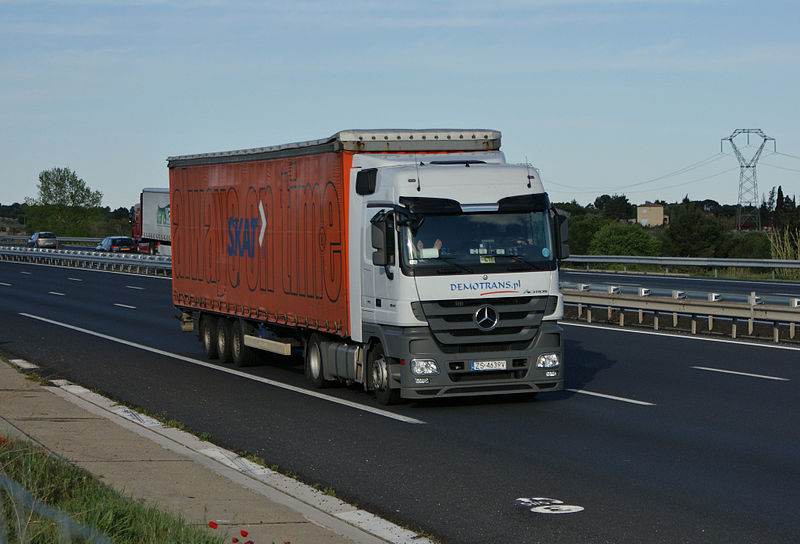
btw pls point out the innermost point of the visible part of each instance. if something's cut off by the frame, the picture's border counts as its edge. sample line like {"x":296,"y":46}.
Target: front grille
{"x":453,"y":321}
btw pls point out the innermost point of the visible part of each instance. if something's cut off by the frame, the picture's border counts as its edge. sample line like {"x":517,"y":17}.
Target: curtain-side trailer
{"x":417,"y":263}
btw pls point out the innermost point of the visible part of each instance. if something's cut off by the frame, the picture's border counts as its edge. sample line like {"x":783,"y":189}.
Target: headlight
{"x":424,"y":367}
{"x":548,"y":360}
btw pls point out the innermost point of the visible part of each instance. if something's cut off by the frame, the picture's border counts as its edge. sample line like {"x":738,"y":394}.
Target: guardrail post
{"x":791,"y":330}
{"x":733,"y":329}
{"x":710,"y":322}
{"x":655,"y":321}
{"x":694,"y":324}
{"x":775,"y":332}
{"x":621,"y":317}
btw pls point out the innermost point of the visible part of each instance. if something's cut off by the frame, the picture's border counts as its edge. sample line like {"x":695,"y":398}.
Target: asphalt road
{"x":678,"y":449}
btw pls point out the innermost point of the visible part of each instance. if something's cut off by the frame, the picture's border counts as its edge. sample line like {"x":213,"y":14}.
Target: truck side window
{"x":391,"y":236}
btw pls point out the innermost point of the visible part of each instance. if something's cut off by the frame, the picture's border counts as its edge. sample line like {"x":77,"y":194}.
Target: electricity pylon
{"x":747,"y":212}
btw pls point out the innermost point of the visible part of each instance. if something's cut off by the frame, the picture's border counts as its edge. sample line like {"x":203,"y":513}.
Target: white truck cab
{"x":458,"y":286}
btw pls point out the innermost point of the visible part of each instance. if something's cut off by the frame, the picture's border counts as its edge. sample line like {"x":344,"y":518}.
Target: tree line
{"x":67,"y":206}
{"x":694,"y":229}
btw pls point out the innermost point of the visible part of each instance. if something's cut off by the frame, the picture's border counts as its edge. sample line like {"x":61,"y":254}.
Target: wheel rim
{"x":314,"y":362}
{"x":380,"y":374}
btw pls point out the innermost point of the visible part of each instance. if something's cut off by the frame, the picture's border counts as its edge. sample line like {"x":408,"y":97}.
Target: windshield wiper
{"x":449,"y":260}
{"x":518,"y":259}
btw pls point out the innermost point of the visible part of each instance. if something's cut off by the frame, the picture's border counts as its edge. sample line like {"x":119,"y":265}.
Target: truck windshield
{"x":477,"y":243}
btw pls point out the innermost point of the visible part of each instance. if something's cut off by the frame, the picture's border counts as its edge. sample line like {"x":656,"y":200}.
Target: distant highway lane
{"x":657,"y":439}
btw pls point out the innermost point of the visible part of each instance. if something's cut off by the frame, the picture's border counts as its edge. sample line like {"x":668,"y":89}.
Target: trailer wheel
{"x":208,"y":335}
{"x":378,"y":373}
{"x":241,"y":354}
{"x":224,"y":339}
{"x":313,"y":363}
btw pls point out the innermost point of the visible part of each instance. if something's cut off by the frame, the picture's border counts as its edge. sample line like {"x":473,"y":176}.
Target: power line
{"x":698,"y":164}
{"x":785,"y":155}
{"x":780,"y":167}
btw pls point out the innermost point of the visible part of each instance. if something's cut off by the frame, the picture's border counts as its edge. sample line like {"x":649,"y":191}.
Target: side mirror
{"x":366,"y":181}
{"x":563,"y":237}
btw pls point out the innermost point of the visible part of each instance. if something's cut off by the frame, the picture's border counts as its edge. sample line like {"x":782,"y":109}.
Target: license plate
{"x":488,"y":365}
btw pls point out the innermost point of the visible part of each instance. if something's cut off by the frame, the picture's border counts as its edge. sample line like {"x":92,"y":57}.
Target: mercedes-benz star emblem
{"x":486,"y":318}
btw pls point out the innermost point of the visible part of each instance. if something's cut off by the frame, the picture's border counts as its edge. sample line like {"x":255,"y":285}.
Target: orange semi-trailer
{"x":312,"y":245}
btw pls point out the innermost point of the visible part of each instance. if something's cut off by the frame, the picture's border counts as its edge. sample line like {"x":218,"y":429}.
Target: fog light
{"x":551,"y":373}
{"x":548,"y":360}
{"x":422,"y":380}
{"x":424,"y":367}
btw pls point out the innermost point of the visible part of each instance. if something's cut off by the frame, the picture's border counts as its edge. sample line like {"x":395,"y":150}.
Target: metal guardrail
{"x":132,"y":263}
{"x":685,"y":313}
{"x":24,"y":503}
{"x":61,"y":239}
{"x":699,"y":262}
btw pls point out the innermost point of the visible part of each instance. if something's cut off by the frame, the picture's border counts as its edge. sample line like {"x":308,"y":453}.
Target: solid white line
{"x":124,"y":306}
{"x":56,"y":293}
{"x":611,"y":397}
{"x":133,"y":287}
{"x":231,"y":371}
{"x":685,"y":337}
{"x":762,"y":376}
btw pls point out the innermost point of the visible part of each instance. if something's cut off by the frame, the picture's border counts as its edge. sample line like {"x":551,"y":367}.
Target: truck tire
{"x":224,"y":339}
{"x":378,"y":375}
{"x":241,"y":354}
{"x":208,"y":335}
{"x":313,"y":363}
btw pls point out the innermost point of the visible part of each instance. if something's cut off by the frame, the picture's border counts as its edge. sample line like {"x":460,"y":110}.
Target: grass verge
{"x":87,"y":501}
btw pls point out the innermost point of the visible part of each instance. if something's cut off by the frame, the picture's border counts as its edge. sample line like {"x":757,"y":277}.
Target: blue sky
{"x":601,"y":96}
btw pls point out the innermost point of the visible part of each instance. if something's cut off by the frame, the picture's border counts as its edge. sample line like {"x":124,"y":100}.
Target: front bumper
{"x":456,"y":377}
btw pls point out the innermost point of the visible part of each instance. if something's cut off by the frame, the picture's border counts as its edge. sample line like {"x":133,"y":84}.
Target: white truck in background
{"x":151,"y":223}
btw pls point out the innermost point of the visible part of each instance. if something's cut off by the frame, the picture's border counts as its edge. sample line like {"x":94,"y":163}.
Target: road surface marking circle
{"x":545,"y":505}
{"x":557,"y":509}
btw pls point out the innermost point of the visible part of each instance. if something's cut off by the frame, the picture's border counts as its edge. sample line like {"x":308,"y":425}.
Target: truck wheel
{"x":378,"y":373}
{"x":313,"y":363}
{"x":208,"y":334}
{"x":224,"y":339}
{"x":241,"y":354}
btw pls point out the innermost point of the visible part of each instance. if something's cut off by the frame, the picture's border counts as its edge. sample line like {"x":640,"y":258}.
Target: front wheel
{"x":380,"y":376}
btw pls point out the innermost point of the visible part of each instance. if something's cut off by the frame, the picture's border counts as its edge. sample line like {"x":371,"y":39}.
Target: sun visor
{"x":438,"y":206}
{"x":525,"y":203}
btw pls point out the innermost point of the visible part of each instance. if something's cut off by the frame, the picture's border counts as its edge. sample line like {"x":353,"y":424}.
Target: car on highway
{"x":117,"y":244}
{"x":43,"y":240}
